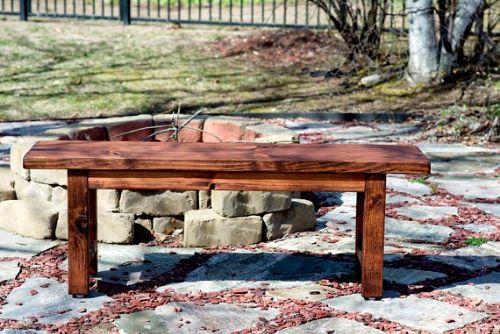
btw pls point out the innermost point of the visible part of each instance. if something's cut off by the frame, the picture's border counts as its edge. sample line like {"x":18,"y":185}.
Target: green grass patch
{"x":420,"y":180}
{"x":476,"y":241}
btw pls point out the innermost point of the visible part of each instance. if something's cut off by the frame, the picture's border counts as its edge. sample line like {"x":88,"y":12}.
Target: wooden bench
{"x":226,"y":166}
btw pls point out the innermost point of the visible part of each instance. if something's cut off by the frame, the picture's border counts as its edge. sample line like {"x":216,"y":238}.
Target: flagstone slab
{"x":48,"y":301}
{"x":407,"y":276}
{"x":256,"y":270}
{"x":486,"y":288}
{"x":404,"y":185}
{"x":490,"y":208}
{"x":472,"y":257}
{"x":8,"y":270}
{"x":312,"y":292}
{"x":469,"y":187}
{"x":316,"y":244}
{"x":14,"y":245}
{"x":479,"y":228}
{"x":188,"y":318}
{"x":132,"y":264}
{"x":419,"y":313}
{"x":427,"y":211}
{"x":461,"y":159}
{"x":343,"y":219}
{"x":21,"y":331}
{"x":331,"y":326}
{"x":396,"y":199}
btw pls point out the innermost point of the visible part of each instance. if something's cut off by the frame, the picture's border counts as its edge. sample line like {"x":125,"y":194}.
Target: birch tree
{"x":432,"y":56}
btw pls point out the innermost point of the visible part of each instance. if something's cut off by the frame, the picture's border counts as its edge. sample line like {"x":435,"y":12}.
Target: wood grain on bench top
{"x":236,"y":157}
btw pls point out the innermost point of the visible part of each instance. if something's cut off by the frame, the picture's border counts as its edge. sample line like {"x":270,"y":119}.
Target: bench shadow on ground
{"x":226,"y":271}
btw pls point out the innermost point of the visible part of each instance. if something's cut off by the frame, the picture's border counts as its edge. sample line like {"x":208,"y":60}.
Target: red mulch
{"x":282,"y":47}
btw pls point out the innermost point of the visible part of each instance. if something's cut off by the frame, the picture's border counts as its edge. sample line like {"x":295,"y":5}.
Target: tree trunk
{"x":464,"y":17}
{"x":423,"y":61}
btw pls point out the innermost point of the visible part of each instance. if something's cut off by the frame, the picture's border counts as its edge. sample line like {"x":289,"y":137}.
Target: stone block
{"x":158,"y":203}
{"x":112,"y":227}
{"x":59,"y":196}
{"x":300,"y":217}
{"x":269,"y":133}
{"x":204,"y":199}
{"x":80,"y":131}
{"x":225,"y":128}
{"x":50,"y":176}
{"x":108,"y":199}
{"x":192,"y":135}
{"x":17,"y":153}
{"x":245,"y":203}
{"x":146,"y":223}
{"x":167,"y":225}
{"x":27,"y":190}
{"x":205,"y":228}
{"x":30,"y":218}
{"x":61,"y":231}
{"x":115,"y":228}
{"x":117,"y":127}
{"x":6,"y":184}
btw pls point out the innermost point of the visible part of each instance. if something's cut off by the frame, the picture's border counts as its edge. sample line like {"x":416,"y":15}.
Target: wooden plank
{"x":234,"y":157}
{"x":373,"y":236}
{"x":193,"y":180}
{"x":78,"y":232}
{"x":92,"y":231}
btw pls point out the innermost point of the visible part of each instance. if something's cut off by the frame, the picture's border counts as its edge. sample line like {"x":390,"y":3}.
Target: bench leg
{"x":78,"y":232}
{"x":360,"y":202}
{"x":372,"y":236}
{"x":93,"y":231}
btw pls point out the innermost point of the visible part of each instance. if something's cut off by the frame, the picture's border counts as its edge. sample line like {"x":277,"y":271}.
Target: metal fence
{"x":270,"y":13}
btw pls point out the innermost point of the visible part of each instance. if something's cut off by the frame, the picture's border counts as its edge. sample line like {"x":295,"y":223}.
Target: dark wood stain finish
{"x":78,"y":232}
{"x":372,"y":249}
{"x":235,"y":157}
{"x":226,"y":166}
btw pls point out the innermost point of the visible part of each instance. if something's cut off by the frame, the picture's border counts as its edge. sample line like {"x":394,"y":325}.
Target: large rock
{"x":50,"y":176}
{"x":17,"y":153}
{"x":31,"y":218}
{"x":27,"y":190}
{"x":112,"y":227}
{"x":158,"y":203}
{"x":6,"y":185}
{"x":206,"y":228}
{"x":300,"y":217}
{"x":245,"y":203}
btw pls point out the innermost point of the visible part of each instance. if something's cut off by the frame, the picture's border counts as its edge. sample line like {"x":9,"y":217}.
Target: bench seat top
{"x":227,"y":157}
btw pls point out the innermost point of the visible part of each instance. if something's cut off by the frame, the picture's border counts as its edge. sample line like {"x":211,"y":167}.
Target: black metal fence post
{"x":124,"y":11}
{"x":24,"y":8}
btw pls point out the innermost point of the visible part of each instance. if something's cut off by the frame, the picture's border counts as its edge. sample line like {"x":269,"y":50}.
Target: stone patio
{"x":435,"y":280}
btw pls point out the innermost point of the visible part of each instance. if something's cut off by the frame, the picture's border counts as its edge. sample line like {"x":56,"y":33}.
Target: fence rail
{"x":270,"y":13}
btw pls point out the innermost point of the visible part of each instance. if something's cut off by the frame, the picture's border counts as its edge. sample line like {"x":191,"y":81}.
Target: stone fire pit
{"x":37,"y":206}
